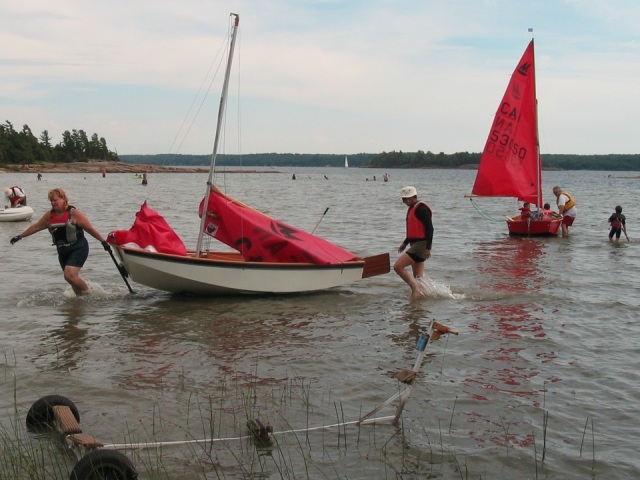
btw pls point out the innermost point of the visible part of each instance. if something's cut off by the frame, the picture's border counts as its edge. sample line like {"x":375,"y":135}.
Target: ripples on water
{"x":547,"y":327}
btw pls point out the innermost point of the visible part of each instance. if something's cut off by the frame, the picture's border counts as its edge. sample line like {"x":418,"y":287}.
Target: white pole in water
{"x":221,"y":109}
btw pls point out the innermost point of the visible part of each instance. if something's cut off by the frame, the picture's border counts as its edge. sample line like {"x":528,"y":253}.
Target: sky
{"x":319,"y":76}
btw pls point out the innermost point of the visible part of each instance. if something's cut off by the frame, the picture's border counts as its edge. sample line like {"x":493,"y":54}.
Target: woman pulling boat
{"x":67,"y":224}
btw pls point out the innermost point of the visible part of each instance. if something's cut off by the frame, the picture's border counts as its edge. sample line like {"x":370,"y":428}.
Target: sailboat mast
{"x":538,"y":156}
{"x":221,"y":110}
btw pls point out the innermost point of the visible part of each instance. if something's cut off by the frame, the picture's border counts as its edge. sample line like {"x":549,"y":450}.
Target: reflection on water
{"x":511,"y":264}
{"x":509,"y":323}
{"x":202,"y":339}
{"x":69,"y":337}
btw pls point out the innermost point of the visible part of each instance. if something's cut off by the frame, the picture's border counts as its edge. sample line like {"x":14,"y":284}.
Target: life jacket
{"x":63,"y":232}
{"x":616,"y":220}
{"x":546,"y":214}
{"x":570,"y":203}
{"x":415,"y":228}
{"x":17,"y":196}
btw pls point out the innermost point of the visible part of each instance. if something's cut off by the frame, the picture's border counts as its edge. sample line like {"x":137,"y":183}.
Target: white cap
{"x":408,"y":192}
{"x":8,"y":191}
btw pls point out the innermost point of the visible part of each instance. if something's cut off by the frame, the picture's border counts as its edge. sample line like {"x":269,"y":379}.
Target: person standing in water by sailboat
{"x":419,"y":237}
{"x":566,"y":208}
{"x":67,"y":225}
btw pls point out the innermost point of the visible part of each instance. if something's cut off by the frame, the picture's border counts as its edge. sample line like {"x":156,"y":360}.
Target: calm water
{"x":546,"y":359}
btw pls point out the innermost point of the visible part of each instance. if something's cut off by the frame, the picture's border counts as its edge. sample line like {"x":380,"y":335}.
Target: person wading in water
{"x":67,"y":225}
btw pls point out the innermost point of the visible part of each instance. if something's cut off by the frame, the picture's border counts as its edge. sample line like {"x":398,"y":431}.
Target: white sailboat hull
{"x":227,"y":273}
{"x":16,"y":214}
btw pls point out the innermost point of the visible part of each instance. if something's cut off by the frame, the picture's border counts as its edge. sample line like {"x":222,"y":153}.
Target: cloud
{"x":318,"y":76}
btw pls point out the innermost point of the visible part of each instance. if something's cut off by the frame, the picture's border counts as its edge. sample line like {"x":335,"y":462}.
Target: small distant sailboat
{"x":346,"y":162}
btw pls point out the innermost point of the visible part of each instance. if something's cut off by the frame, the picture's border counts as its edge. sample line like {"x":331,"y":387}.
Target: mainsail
{"x":260,"y":238}
{"x":510,"y":162}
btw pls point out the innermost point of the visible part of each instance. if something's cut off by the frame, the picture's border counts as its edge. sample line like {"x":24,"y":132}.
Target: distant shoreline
{"x":111,"y":167}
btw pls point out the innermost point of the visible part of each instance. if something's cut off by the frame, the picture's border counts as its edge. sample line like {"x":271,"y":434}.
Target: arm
{"x":33,"y":228}
{"x":624,"y":229}
{"x":38,"y":226}
{"x":424,"y":214}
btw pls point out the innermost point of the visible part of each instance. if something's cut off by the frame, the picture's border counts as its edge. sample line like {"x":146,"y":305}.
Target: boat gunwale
{"x":241,"y":263}
{"x":534,"y":228}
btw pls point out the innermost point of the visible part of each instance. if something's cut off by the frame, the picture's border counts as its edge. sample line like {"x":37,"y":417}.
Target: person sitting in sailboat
{"x":527,"y":214}
{"x":546,"y":212}
{"x":16,"y":196}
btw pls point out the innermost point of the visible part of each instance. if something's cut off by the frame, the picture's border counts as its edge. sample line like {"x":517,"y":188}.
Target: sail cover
{"x":260,"y":238}
{"x":509,"y":166}
{"x":149,"y":231}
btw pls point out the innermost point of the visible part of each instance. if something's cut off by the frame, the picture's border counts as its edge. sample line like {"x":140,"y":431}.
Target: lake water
{"x":543,"y":380}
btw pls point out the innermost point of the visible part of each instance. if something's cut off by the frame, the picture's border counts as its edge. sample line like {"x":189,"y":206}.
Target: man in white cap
{"x":419,"y":238}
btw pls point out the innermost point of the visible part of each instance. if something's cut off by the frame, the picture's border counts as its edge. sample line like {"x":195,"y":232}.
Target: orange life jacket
{"x":570,"y":203}
{"x":415,"y":228}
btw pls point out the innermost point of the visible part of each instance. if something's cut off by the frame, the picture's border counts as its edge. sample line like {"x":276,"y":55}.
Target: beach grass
{"x":218,"y":443}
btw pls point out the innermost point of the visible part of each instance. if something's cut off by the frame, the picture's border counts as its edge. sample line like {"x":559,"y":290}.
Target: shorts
{"x":615,"y":231}
{"x":74,"y":255}
{"x":418,"y":251}
{"x":567,"y":220}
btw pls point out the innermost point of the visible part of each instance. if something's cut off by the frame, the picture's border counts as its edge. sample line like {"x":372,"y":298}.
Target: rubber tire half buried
{"x":40,"y":415}
{"x":104,"y":464}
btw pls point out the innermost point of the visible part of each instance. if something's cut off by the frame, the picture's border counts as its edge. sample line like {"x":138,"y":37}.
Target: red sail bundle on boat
{"x":260,"y":238}
{"x":150,"y":229}
{"x":509,"y":166}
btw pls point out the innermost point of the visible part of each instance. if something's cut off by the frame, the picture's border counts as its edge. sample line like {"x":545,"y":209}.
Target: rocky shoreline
{"x":112,"y":167}
{"x":99,"y":167}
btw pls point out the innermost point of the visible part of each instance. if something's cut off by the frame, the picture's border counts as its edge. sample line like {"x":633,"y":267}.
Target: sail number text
{"x":500,"y":144}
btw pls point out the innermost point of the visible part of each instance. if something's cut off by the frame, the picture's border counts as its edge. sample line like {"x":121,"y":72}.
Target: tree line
{"x":388,"y":160}
{"x":23,"y":147}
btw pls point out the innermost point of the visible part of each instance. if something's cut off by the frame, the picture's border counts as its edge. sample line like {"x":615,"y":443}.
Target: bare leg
{"x":400,"y":268}
{"x":73,"y":278}
{"x":418,"y":269}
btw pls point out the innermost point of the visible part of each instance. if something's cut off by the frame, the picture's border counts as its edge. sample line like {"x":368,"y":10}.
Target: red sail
{"x":262,"y":239}
{"x":150,"y":230}
{"x":509,"y":166}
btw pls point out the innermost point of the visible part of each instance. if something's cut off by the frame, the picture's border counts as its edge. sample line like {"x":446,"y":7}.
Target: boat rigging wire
{"x":485,"y":215}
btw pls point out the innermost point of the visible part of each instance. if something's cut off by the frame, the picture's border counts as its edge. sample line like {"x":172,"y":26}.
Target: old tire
{"x":40,"y":415}
{"x":104,"y":464}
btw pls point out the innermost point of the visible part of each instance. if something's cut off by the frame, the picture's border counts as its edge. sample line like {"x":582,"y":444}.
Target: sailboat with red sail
{"x":269,"y":256}
{"x":511,"y":165}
